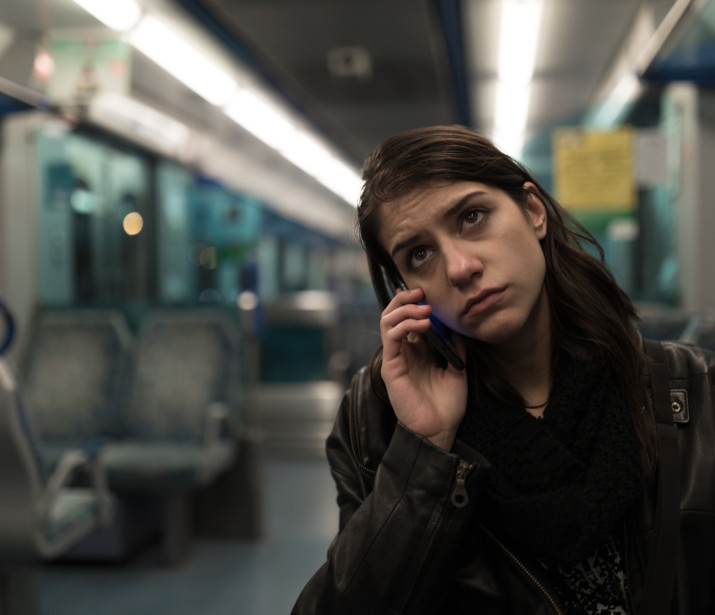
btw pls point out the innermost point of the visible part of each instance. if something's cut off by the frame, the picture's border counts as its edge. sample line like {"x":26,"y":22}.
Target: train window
{"x":95,"y":222}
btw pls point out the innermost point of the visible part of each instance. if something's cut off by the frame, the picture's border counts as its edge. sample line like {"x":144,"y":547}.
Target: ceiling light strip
{"x":248,"y":104}
{"x":186,"y":62}
{"x":119,"y":15}
{"x":519,"y":29}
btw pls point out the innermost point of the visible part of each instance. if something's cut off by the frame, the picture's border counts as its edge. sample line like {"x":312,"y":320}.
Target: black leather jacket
{"x":409,"y":542}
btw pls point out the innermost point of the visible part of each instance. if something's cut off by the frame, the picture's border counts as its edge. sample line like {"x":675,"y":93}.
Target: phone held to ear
{"x":438,"y":336}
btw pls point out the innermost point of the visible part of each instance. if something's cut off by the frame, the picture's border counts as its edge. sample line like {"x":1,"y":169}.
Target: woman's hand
{"x":427,"y":399}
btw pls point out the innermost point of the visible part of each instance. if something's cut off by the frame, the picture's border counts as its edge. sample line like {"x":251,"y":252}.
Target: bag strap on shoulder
{"x":660,"y":572}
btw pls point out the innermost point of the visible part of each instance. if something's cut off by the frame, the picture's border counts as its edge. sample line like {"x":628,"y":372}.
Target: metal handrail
{"x":9,"y":327}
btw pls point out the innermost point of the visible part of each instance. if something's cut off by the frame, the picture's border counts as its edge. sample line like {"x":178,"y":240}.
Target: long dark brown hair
{"x":588,"y":308}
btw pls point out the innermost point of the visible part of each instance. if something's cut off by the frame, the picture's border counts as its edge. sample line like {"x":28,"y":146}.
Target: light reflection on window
{"x":133,"y":223}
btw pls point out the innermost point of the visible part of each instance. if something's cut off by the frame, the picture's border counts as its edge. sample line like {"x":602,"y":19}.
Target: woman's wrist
{"x":443,"y":440}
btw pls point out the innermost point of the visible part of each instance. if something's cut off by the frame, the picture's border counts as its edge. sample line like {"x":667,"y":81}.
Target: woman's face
{"x":476,"y":255}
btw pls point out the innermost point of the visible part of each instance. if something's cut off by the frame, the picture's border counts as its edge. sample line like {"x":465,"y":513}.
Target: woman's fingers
{"x":402,"y":317}
{"x":404,"y":297}
{"x":426,"y":398}
{"x":394,"y":337}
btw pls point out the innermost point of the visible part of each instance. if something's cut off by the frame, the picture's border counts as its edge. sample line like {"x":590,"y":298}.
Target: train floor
{"x":262,"y":577}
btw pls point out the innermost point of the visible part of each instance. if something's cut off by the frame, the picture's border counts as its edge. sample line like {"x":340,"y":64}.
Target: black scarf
{"x":559,"y":485}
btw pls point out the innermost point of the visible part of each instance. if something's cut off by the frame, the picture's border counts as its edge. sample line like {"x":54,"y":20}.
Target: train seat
{"x":182,"y":404}
{"x":182,"y":415}
{"x":75,"y":372}
{"x":163,"y":405}
{"x":42,"y":515}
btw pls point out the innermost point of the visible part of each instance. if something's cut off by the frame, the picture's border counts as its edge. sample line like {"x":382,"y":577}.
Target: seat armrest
{"x":90,"y":461}
{"x":217,"y":422}
{"x":221,"y":423}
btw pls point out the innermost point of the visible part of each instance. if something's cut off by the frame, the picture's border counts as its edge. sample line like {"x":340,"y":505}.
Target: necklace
{"x":537,"y":406}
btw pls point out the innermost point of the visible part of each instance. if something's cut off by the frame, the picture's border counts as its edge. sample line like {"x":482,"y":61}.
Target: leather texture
{"x":404,"y":547}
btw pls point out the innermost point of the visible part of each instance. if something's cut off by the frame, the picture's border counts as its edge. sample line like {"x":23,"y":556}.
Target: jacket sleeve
{"x":398,"y":537}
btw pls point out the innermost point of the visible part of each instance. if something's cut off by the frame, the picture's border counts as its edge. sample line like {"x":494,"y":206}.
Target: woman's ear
{"x":536,"y":210}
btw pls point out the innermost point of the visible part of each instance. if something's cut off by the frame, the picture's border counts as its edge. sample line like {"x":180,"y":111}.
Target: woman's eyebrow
{"x":405,"y":244}
{"x":461,"y":202}
{"x":445,"y":216}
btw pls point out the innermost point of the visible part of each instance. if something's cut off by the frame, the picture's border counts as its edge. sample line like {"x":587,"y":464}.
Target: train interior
{"x":183,"y":296}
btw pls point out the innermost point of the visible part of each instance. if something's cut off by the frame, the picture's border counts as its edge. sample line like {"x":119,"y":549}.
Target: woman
{"x":525,"y":483}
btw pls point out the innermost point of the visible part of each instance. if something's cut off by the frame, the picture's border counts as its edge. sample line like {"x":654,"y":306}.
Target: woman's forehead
{"x":423,"y":207}
{"x":431,"y":199}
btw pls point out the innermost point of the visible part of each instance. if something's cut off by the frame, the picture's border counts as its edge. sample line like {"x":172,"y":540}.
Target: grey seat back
{"x":75,"y":374}
{"x":186,"y":361}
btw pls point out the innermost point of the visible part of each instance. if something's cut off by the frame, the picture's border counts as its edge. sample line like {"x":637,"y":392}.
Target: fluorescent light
{"x":194,"y":69}
{"x":120,"y":15}
{"x":306,"y":152}
{"x":315,"y":158}
{"x":519,"y":28}
{"x":273,"y":124}
{"x":512,"y":109}
{"x":262,"y":117}
{"x":251,"y":108}
{"x":343,"y":180}
{"x":340,"y":178}
{"x":518,"y":38}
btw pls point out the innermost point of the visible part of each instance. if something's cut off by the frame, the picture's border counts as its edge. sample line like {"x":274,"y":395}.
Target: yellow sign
{"x":594,"y":170}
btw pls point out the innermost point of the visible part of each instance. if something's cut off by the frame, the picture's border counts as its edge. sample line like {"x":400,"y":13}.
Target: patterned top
{"x":598,"y":585}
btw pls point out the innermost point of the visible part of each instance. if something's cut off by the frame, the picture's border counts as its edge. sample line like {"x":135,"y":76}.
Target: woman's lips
{"x":483,"y":301}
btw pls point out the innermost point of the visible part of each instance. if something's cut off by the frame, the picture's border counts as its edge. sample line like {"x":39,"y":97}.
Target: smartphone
{"x":438,"y":335}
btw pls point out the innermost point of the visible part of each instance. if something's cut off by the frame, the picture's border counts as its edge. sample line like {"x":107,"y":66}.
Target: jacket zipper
{"x":521,"y":566}
{"x":459,"y":499}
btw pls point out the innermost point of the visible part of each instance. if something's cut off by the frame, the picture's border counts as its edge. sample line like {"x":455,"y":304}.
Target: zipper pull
{"x":460,"y":497}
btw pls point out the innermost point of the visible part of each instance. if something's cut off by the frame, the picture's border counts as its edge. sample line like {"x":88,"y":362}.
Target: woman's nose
{"x":461,"y":266}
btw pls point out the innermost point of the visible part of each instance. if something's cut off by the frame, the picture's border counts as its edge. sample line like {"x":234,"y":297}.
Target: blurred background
{"x":182,"y":282}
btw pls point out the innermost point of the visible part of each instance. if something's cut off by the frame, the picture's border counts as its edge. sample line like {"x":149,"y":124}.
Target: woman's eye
{"x":418,"y":256}
{"x":472,"y":217}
